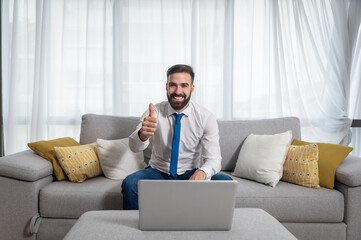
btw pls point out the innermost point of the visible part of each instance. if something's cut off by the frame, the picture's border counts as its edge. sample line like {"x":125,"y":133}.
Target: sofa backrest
{"x":231,"y":133}
{"x":107,"y":127}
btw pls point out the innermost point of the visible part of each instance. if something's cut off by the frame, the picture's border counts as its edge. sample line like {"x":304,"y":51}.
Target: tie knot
{"x":178,"y":116}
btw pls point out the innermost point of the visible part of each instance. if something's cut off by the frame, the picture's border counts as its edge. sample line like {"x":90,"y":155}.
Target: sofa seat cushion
{"x":289,"y":202}
{"x":64,"y":199}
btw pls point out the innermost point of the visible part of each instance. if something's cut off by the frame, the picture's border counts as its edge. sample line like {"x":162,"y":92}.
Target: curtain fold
{"x":2,"y":147}
{"x":355,"y":46}
{"x":253,"y":59}
{"x":354,"y":104}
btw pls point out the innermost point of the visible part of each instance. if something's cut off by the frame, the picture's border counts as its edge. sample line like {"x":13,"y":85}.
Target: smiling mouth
{"x":178,"y":98}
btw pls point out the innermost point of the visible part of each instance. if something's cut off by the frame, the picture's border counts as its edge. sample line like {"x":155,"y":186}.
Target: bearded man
{"x":184,"y":136}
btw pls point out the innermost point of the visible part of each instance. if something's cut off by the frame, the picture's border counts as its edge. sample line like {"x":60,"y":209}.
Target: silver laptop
{"x":186,"y":205}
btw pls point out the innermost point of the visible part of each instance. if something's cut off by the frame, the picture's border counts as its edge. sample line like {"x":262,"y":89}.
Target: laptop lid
{"x":186,"y":205}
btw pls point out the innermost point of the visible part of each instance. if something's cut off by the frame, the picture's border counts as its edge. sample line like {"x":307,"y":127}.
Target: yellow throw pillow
{"x":330,"y":156}
{"x":46,"y":150}
{"x":301,"y":166}
{"x":79,"y":162}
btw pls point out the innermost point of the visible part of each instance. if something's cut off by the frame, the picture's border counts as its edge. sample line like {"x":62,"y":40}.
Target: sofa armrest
{"x":22,"y":176}
{"x":349,"y":171}
{"x":25,"y":166}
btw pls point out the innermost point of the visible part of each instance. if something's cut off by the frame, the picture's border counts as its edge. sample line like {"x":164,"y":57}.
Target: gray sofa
{"x":34,"y":206}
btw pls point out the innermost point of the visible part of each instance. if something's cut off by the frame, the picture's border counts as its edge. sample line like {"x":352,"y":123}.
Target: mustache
{"x":178,"y":95}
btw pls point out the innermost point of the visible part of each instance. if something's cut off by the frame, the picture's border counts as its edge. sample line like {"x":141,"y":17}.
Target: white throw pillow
{"x":117,"y":160}
{"x":262,"y":157}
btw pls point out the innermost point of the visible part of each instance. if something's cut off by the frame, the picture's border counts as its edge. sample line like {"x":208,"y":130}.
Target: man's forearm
{"x":211,"y":167}
{"x":136,"y":144}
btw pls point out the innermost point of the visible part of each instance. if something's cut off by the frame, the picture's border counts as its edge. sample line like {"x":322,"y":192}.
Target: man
{"x":185,"y":139}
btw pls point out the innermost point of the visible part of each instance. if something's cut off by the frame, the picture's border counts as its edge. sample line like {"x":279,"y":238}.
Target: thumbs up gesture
{"x":149,"y":125}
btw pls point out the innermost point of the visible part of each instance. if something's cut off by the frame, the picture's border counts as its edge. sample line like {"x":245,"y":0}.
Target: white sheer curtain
{"x":58,"y":65}
{"x":253,"y":59}
{"x":355,"y":73}
{"x":293,"y":61}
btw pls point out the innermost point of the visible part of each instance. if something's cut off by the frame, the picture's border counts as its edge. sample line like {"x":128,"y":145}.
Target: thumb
{"x":151,"y":110}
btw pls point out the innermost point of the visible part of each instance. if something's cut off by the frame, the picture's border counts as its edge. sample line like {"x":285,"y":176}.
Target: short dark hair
{"x":181,"y":68}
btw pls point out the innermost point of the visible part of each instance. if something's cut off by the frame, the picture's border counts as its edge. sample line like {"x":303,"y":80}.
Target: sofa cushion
{"x":262,"y":156}
{"x":301,"y":166}
{"x":289,"y":202}
{"x":233,"y":133}
{"x":46,"y":150}
{"x":330,"y":157}
{"x":117,"y":160}
{"x":79,"y":162}
{"x":70,"y":200}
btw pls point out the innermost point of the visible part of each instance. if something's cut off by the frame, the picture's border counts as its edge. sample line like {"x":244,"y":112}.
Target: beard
{"x":178,"y":105}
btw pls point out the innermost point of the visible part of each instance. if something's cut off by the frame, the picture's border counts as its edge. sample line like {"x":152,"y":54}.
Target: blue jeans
{"x":130,"y":183}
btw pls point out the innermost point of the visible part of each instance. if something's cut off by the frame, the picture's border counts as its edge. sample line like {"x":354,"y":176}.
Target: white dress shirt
{"x":199,"y":140}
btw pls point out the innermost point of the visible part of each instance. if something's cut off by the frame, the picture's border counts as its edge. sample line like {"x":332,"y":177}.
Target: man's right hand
{"x":149,"y":125}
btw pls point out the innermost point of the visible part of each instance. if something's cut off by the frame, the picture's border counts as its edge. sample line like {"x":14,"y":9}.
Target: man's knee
{"x":130,"y":183}
{"x":221,"y":176}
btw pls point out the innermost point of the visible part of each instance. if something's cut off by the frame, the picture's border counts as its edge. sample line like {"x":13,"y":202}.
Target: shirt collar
{"x":186,"y":111}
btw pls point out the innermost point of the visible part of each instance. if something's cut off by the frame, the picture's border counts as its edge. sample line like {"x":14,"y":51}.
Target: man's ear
{"x":192,"y":89}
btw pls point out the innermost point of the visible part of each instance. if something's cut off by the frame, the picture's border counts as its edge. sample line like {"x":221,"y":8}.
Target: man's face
{"x":179,"y":90}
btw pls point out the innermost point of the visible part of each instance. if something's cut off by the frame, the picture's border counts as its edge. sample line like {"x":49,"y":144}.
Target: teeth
{"x":178,"y":98}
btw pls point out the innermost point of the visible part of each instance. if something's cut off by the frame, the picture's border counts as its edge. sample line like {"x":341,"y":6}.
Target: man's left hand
{"x":198,"y":175}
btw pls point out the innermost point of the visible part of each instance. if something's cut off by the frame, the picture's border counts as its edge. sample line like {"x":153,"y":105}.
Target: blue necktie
{"x":175,"y":144}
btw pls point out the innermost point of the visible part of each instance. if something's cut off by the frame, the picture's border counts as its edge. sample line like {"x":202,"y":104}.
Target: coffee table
{"x":248,"y":223}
